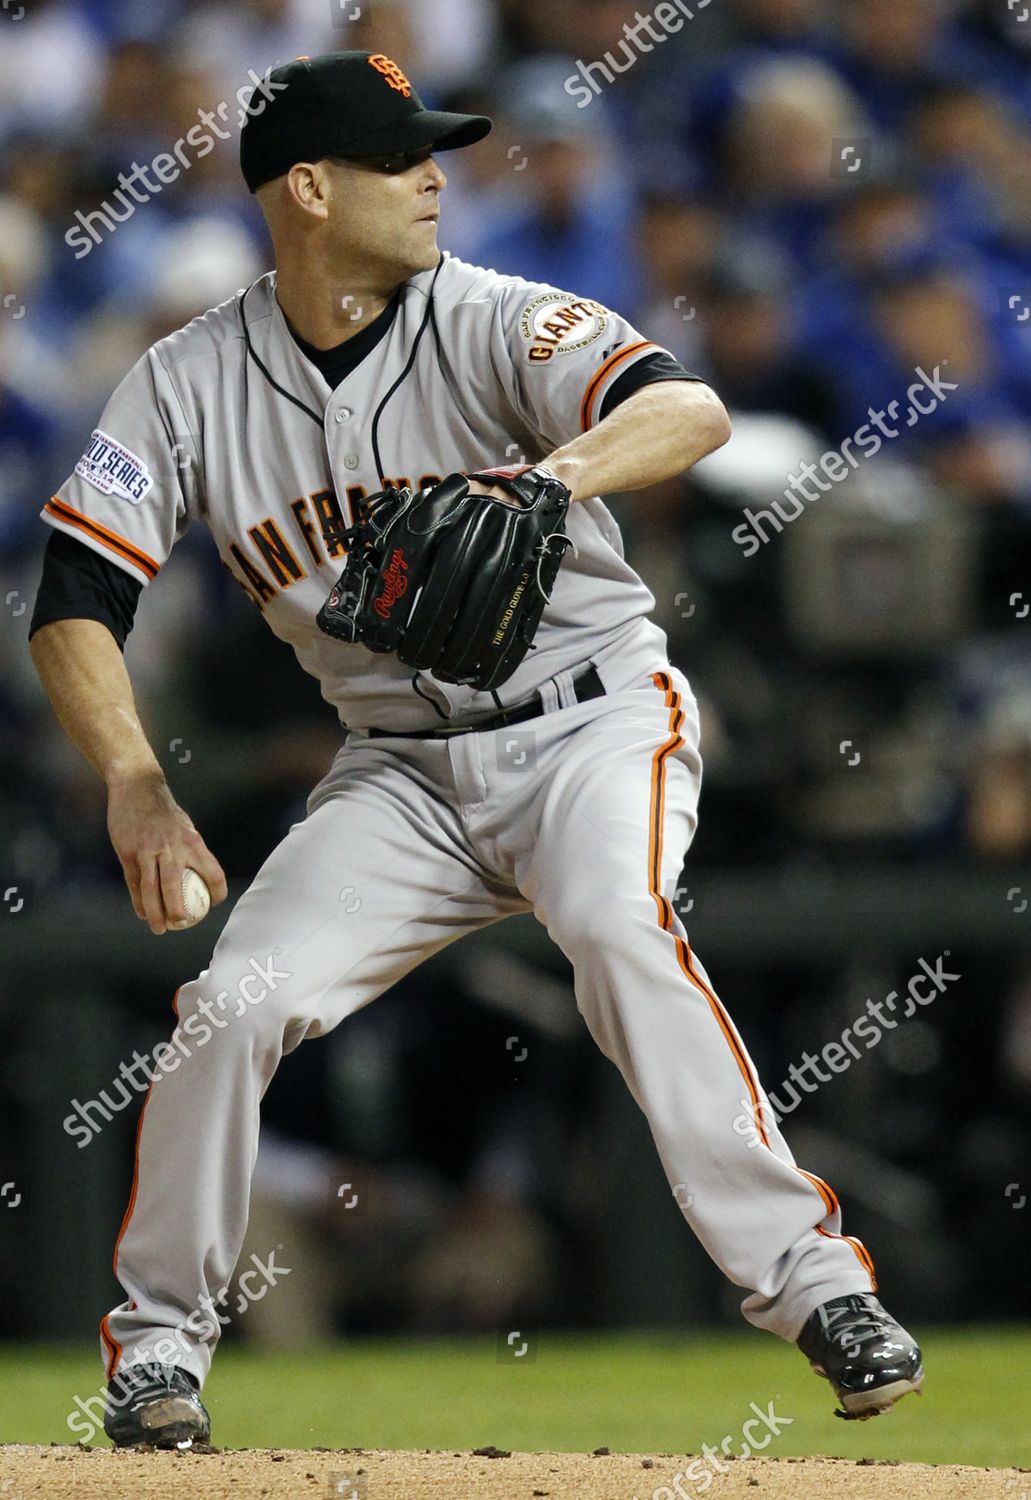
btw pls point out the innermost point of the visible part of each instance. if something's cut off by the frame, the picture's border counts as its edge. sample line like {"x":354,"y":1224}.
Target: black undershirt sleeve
{"x":647,"y":371}
{"x":79,"y":584}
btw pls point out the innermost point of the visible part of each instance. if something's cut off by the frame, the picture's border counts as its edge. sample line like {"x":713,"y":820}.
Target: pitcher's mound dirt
{"x":490,"y":1474}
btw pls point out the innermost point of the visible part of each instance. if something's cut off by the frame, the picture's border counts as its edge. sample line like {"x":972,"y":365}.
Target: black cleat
{"x":869,"y":1359}
{"x":155,"y":1404}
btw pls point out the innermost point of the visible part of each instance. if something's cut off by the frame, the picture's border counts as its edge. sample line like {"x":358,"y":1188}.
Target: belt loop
{"x":566,"y":692}
{"x":550,"y":696}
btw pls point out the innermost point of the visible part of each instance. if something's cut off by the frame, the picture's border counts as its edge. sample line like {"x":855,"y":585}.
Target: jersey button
{"x":343,"y":414}
{"x":350,"y":460}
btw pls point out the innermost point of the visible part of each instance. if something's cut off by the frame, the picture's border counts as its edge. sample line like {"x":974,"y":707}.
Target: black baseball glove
{"x":454,"y":582}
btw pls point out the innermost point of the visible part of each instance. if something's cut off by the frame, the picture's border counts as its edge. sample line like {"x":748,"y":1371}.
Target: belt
{"x":585,"y":687}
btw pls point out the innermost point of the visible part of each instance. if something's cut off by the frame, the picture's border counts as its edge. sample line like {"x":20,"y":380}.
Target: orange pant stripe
{"x":686,"y":959}
{"x":683,"y":950}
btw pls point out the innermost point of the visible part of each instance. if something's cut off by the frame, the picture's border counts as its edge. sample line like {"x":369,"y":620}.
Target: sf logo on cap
{"x":392,"y":73}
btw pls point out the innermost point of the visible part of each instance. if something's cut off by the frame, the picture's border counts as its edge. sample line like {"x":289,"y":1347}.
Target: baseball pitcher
{"x":401,"y":458}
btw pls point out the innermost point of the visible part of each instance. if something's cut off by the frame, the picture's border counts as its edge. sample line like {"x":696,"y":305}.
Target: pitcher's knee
{"x":235,"y":1001}
{"x":601,"y":924}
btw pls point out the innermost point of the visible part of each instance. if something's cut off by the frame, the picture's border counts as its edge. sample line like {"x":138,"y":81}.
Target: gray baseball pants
{"x":583,"y":816}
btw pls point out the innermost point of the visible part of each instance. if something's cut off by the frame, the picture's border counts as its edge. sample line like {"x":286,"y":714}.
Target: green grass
{"x":628,"y":1392}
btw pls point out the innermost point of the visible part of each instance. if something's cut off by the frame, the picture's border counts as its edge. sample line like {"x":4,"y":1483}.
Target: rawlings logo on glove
{"x":454,"y":582}
{"x":395,"y":583}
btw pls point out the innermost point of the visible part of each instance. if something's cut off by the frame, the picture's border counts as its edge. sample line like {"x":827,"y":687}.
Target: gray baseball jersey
{"x":227,"y":420}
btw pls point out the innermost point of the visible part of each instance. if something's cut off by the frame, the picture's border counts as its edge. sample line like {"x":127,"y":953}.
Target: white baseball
{"x":196,"y":899}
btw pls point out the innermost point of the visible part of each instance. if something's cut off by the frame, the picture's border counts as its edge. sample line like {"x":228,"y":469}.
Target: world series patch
{"x":114,"y":470}
{"x":554,"y":324}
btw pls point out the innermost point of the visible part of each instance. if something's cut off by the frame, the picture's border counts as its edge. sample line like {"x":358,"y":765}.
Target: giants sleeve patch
{"x":555,"y":324}
{"x":114,"y":470}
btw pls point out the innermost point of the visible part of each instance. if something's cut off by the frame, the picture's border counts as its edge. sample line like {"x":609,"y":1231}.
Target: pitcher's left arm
{"x":659,"y":431}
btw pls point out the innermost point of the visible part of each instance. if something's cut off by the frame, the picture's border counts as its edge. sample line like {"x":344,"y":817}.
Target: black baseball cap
{"x":342,"y":104}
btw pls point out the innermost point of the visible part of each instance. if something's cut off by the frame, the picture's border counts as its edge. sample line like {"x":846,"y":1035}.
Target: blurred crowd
{"x":812,"y":203}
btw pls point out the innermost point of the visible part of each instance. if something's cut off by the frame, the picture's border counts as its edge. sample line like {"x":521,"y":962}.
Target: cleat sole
{"x":861,"y":1405}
